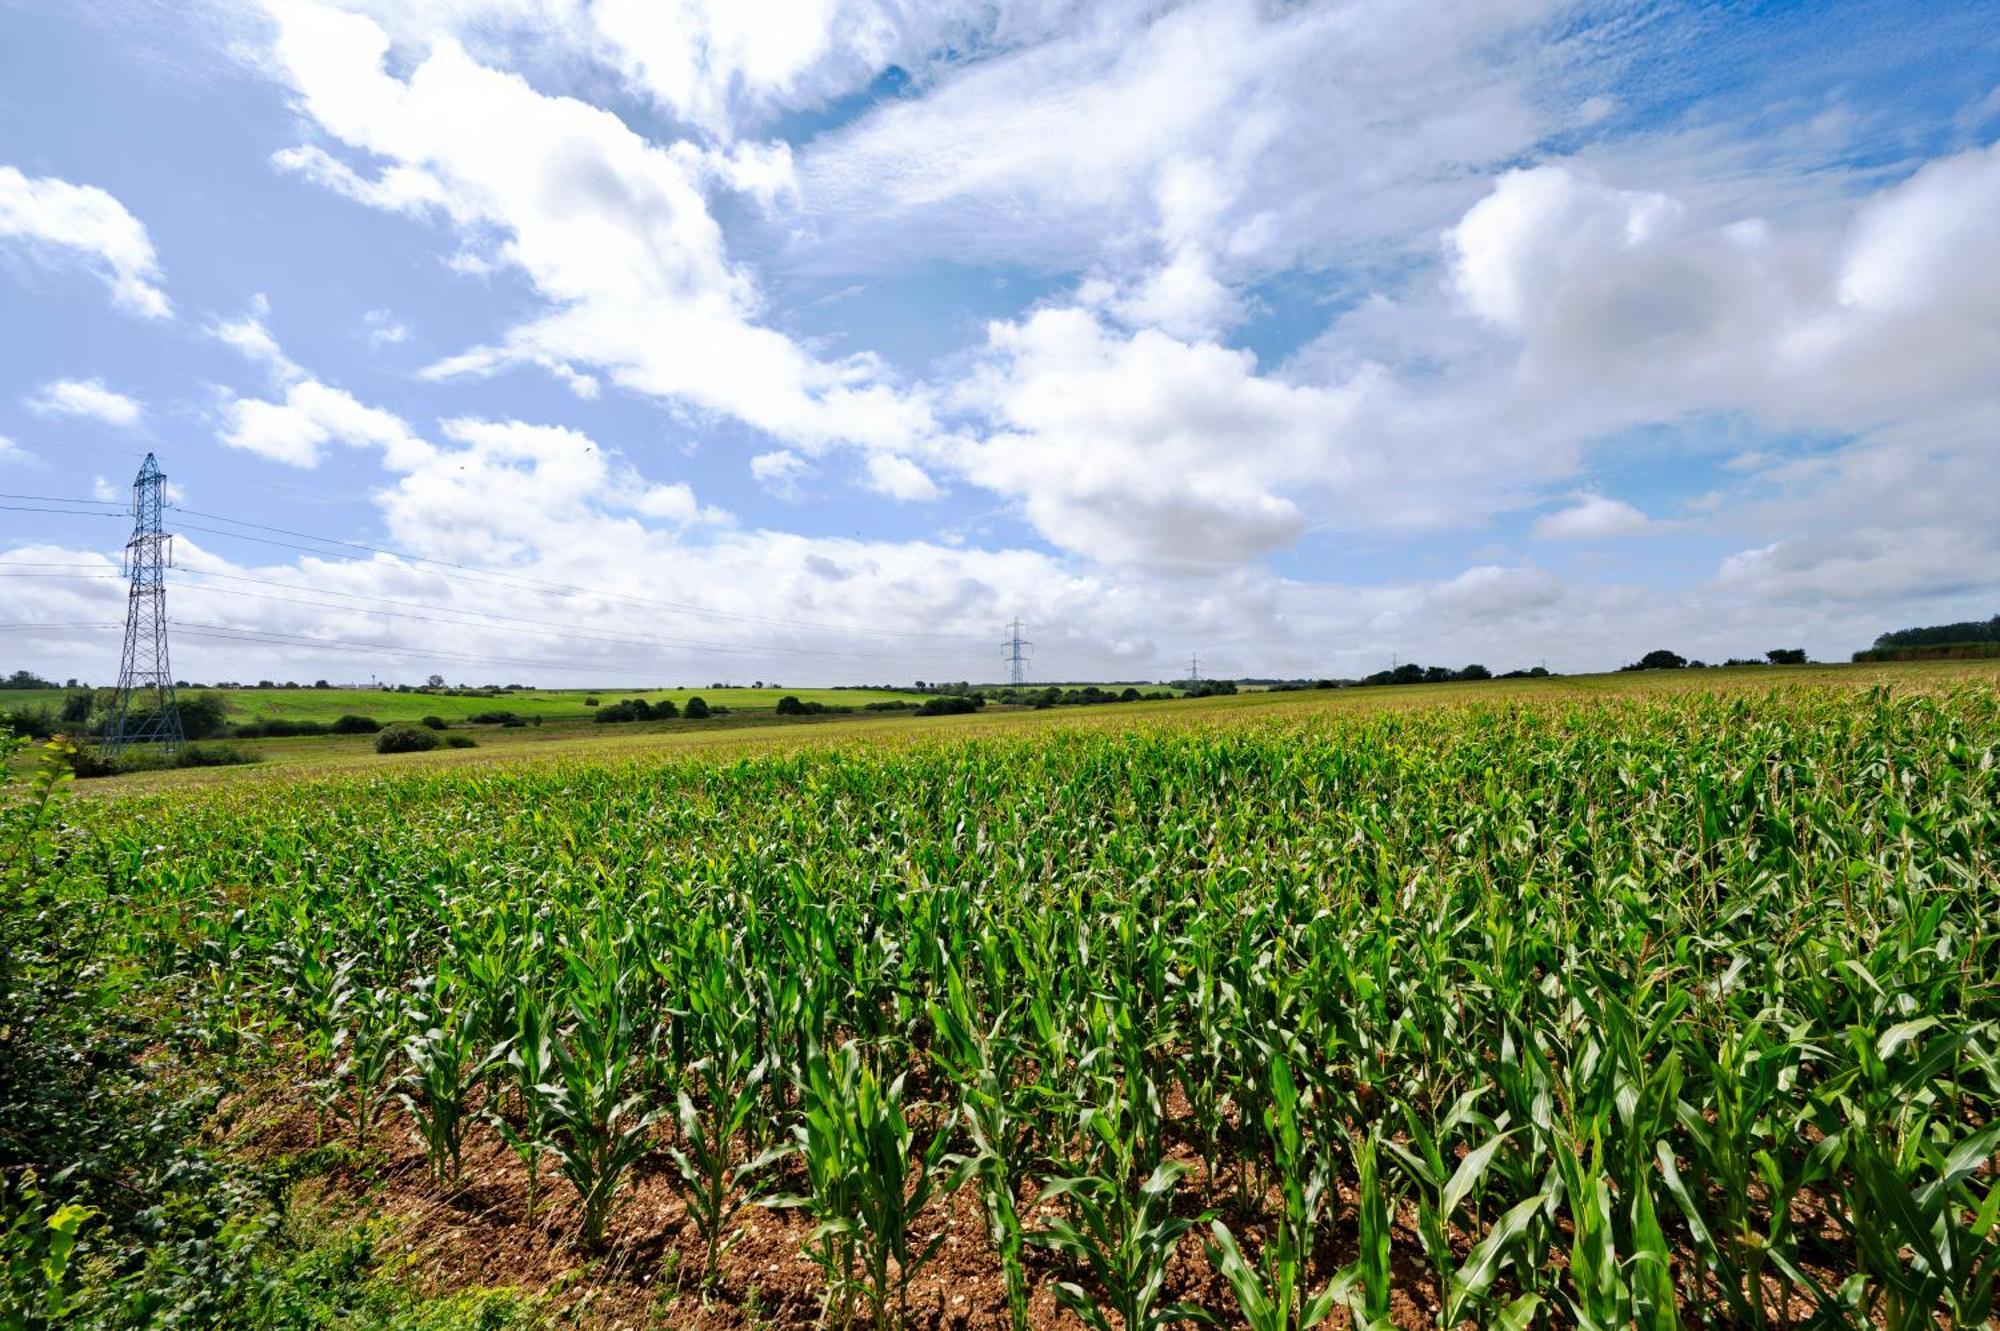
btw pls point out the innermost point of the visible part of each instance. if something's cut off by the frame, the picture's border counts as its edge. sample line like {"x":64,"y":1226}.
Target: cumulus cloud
{"x":900,"y":478}
{"x":310,"y":415}
{"x":780,"y":471}
{"x":57,"y":220}
{"x":613,"y":231}
{"x":1627,"y":295}
{"x":1144,"y":449}
{"x":1592,"y":517}
{"x":86,"y":399}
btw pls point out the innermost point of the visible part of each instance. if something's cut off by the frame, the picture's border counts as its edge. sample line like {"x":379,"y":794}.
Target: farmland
{"x":1654,"y":1002}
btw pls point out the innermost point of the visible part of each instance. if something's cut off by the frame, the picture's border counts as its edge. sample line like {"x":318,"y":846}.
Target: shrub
{"x":406,"y":738}
{"x":213,"y":755}
{"x":33,"y":722}
{"x":356,"y":725}
{"x":958,"y":703}
{"x":590,"y":702}
{"x":460,"y":742}
{"x":694,"y":709}
{"x":494,"y":718}
{"x":432,"y":723}
{"x":203,"y":715}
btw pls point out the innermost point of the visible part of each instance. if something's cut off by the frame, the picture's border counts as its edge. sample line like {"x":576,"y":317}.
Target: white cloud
{"x":86,"y":399}
{"x":780,"y":471}
{"x":1627,"y":296}
{"x":251,"y":336}
{"x":1163,"y":145}
{"x":310,"y":415}
{"x":385,"y":329}
{"x":612,"y":230}
{"x":1593,"y":517}
{"x":13,"y":452}
{"x":56,"y":219}
{"x":900,"y":478}
{"x":1145,"y":450}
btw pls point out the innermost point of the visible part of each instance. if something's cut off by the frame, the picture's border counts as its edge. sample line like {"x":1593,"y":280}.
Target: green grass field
{"x":551,"y":704}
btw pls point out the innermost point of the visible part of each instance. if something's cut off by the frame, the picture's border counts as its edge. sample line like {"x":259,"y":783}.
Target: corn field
{"x":1653,"y":1013}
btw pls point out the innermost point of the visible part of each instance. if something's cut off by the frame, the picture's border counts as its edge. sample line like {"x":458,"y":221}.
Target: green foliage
{"x":352,"y":724}
{"x":405,"y":738}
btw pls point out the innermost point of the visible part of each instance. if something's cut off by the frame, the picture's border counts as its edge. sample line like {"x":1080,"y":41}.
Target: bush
{"x":695,"y":709}
{"x":406,"y":738}
{"x":356,"y":725}
{"x":495,"y":718}
{"x":460,"y":742}
{"x":957,"y":704}
{"x":432,"y":723}
{"x":213,"y":755}
{"x":32,"y":722}
{"x":203,"y":715}
{"x":89,"y":761}
{"x":279,"y":727}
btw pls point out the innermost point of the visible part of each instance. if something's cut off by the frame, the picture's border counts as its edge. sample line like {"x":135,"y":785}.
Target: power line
{"x":64,"y":499}
{"x":67,"y":512}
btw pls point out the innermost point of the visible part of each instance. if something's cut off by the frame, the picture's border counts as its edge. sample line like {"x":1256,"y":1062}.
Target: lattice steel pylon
{"x":1017,"y":660}
{"x":145,"y":711}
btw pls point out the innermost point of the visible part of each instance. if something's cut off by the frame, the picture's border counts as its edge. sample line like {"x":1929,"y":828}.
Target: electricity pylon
{"x":145,"y":711}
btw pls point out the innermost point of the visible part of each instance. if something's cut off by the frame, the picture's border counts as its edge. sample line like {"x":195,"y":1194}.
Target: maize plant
{"x":1651,"y":1005}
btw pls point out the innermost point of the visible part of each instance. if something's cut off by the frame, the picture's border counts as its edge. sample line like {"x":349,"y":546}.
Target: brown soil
{"x":648,"y":1275}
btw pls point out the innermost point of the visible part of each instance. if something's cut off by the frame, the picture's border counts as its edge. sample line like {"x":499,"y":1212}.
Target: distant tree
{"x":351,"y":724}
{"x":790,"y":706}
{"x":1786,"y":656}
{"x":434,"y":682}
{"x":1661,"y":659}
{"x":664,"y":710}
{"x":321,"y":684}
{"x":694,"y":709}
{"x":1475,"y":672}
{"x":1129,"y":695}
{"x":25,"y":679}
{"x":1970,"y":630}
{"x":203,"y":714}
{"x":432,"y":723}
{"x":1436,"y":675}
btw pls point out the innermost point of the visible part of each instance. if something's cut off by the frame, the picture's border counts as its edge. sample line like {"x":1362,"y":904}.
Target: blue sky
{"x":815,"y":341}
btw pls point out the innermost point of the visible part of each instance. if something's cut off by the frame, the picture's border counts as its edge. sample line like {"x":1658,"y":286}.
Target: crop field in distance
{"x":1632,"y":1002}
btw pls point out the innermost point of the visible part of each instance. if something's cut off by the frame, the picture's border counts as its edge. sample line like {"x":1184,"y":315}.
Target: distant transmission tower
{"x":1017,"y":660}
{"x":1194,"y":668}
{"x":145,"y":711}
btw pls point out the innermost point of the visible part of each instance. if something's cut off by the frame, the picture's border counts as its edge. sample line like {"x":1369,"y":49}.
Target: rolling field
{"x":325,"y":705}
{"x":1655,"y":1001}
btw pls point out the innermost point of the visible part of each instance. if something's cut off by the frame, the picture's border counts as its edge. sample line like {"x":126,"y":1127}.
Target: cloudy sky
{"x":623,"y":341}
